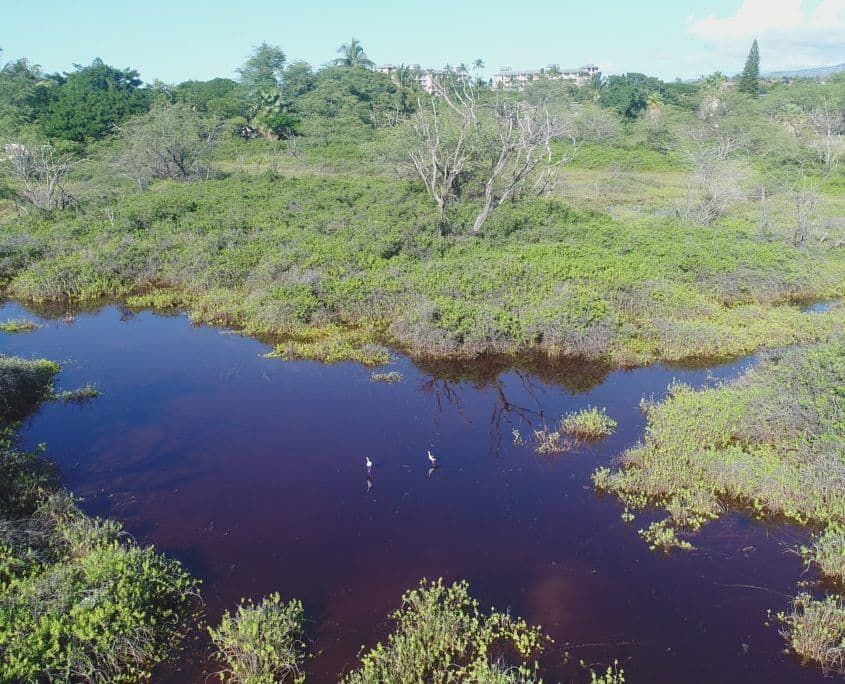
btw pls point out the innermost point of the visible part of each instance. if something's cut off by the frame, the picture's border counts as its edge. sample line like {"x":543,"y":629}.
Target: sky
{"x":176,"y":40}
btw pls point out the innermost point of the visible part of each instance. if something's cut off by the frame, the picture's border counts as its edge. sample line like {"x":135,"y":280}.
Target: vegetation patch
{"x":773,"y":442}
{"x":588,"y":424}
{"x":815,"y":630}
{"x":18,"y":326}
{"x":390,"y":378}
{"x":23,"y":386}
{"x":442,"y":635}
{"x":261,"y":643}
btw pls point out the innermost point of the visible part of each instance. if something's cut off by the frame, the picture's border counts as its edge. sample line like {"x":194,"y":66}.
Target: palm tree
{"x":477,"y":66}
{"x":654,"y":100}
{"x":353,"y":55}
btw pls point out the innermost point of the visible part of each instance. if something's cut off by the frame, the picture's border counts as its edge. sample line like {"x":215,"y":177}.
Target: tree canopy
{"x":263,"y":68}
{"x":749,"y":82}
{"x":92,"y":100}
{"x":628,"y":93}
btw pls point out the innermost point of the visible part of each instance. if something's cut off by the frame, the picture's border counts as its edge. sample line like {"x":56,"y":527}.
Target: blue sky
{"x":176,"y":40}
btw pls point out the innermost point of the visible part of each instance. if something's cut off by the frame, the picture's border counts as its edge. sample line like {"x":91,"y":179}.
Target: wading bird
{"x":369,"y":463}
{"x":432,"y":459}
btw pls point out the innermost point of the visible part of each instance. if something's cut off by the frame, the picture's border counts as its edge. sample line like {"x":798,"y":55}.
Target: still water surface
{"x":251,"y":471}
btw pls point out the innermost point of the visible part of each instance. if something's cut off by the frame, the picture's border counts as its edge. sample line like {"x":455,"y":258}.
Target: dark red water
{"x":252,"y":472}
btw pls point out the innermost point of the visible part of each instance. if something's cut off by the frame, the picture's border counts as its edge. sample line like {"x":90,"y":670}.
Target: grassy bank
{"x":337,"y":264}
{"x":771,"y":442}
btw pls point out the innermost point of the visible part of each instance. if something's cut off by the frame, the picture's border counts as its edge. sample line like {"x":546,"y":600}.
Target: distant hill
{"x":816,"y":72}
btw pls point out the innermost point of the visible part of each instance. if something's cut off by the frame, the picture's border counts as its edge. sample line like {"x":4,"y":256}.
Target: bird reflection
{"x":432,"y":470}
{"x":369,"y":480}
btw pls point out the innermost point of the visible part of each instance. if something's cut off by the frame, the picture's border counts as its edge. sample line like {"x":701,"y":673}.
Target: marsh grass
{"x":261,"y":643}
{"x":548,"y":441}
{"x":588,"y":424}
{"x":18,"y":326}
{"x":827,"y":554}
{"x":771,"y":441}
{"x":815,"y":630}
{"x":77,"y":396}
{"x":390,"y":378}
{"x":23,"y":385}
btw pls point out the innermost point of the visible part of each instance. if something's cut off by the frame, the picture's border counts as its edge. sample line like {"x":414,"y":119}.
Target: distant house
{"x":426,"y":78}
{"x":511,"y":79}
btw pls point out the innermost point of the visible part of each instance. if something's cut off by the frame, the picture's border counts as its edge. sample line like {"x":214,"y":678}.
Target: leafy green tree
{"x":263,"y":69}
{"x":749,"y":82}
{"x":352,"y":55}
{"x":347,"y":103}
{"x":628,"y":93}
{"x":25,"y":93}
{"x":92,"y":100}
{"x":297,"y":79}
{"x":169,"y":141}
{"x":221,"y":97}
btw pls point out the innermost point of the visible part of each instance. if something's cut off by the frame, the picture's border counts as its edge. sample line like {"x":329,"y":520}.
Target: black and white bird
{"x":432,"y":459}
{"x":369,"y":463}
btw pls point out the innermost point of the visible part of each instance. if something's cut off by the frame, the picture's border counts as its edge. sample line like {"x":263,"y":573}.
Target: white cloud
{"x":792,"y":33}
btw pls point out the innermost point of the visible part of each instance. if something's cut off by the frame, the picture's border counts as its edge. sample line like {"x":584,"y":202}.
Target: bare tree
{"x":500,"y":148}
{"x":445,"y":130}
{"x":806,"y":200}
{"x":827,"y":122}
{"x":169,"y":141}
{"x":525,"y":135}
{"x":715,"y":180}
{"x":41,"y":170}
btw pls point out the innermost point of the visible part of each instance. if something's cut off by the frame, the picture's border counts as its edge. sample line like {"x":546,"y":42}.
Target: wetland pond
{"x":251,"y":471}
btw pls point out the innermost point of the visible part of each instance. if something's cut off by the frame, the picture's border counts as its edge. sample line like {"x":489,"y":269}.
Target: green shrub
{"x":261,"y":643}
{"x":815,"y":629}
{"x":442,"y":636}
{"x":827,"y":553}
{"x":23,"y":385}
{"x":18,"y":326}
{"x":591,"y":423}
{"x":80,"y":602}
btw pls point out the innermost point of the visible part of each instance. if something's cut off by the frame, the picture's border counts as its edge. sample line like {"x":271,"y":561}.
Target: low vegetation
{"x":442,"y":636}
{"x":18,"y":326}
{"x":815,"y":630}
{"x":588,"y":424}
{"x":771,"y":442}
{"x":261,"y":643}
{"x":390,"y":378}
{"x":626,"y":219}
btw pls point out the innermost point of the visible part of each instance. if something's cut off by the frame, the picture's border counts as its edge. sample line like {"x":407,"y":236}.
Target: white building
{"x":426,"y":78}
{"x":509,"y":78}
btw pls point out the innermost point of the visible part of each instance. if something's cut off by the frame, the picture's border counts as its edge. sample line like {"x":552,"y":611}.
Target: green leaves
{"x":442,"y":636}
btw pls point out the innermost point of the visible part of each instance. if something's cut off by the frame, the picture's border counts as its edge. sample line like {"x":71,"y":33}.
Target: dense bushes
{"x":80,"y":602}
{"x":285,"y":255}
